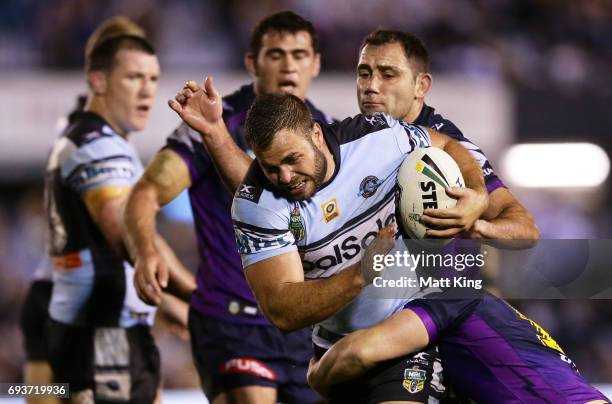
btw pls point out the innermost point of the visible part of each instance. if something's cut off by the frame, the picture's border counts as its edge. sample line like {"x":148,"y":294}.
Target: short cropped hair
{"x":414,"y":49}
{"x":272,"y":113}
{"x":284,"y":21}
{"x":103,"y":55}
{"x":117,"y":25}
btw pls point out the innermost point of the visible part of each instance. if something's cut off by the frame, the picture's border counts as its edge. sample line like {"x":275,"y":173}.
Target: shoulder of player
{"x":83,"y":146}
{"x":87,"y":127}
{"x":319,"y":115}
{"x":360,"y":126}
{"x":256,"y":188}
{"x":437,"y":122}
{"x":356,"y":127}
{"x":186,"y":137}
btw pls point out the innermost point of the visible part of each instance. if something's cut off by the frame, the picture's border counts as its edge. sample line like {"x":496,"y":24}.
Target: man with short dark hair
{"x":393,"y":77}
{"x":99,"y":338}
{"x":239,"y":355}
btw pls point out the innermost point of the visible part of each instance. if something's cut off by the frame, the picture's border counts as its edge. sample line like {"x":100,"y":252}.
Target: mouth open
{"x":287,"y":85}
{"x":143,"y":108}
{"x":297,"y":187}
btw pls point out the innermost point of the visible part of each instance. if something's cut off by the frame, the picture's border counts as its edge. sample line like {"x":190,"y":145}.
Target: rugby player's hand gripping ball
{"x":428,"y":178}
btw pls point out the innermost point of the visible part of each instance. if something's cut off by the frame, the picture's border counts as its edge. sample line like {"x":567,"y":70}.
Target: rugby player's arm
{"x":506,"y":222}
{"x":164,"y":179}
{"x":202,"y":109}
{"x":472,"y":201}
{"x":290,"y":302}
{"x":399,"y":335}
{"x":105,"y":205}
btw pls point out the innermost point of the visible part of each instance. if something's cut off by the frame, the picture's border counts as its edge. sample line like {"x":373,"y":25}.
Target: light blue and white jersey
{"x":93,"y":285}
{"x":331,"y":230}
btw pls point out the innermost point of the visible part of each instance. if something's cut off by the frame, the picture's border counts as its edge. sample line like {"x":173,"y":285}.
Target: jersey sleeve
{"x":188,"y":144}
{"x":261,"y":232}
{"x":407,"y":135}
{"x":106,"y":161}
{"x":492,"y":181}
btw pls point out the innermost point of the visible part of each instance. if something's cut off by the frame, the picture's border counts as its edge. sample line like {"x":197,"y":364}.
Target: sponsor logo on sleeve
{"x":96,"y":173}
{"x":248,"y":192}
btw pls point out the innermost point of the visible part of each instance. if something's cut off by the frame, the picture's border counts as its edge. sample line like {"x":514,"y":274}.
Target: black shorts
{"x":229,"y":356}
{"x":119,"y":365}
{"x":416,"y":377}
{"x":34,"y":320}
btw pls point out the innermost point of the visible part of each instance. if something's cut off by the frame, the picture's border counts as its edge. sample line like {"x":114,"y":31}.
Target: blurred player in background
{"x":99,"y":337}
{"x":393,"y":77}
{"x":35,"y":309}
{"x":240,"y":356}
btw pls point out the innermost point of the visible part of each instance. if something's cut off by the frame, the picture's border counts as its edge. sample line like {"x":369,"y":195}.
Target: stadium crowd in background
{"x":564,"y":43}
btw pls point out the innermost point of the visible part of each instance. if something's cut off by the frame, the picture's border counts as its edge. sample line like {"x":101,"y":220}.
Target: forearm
{"x":471,"y":171}
{"x":292,"y":306}
{"x":230,"y":160}
{"x":506,"y":222}
{"x":139,"y":219}
{"x":342,"y":361}
{"x":182,"y":282}
{"x":511,"y":229}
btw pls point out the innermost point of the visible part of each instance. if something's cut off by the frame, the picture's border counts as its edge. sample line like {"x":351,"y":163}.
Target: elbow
{"x":532,"y":232}
{"x":278,"y":316}
{"x":283,"y":323}
{"x":533,"y":235}
{"x":358,"y":355}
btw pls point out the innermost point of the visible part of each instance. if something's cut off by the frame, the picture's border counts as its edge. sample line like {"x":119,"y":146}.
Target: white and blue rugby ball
{"x":422,"y":179}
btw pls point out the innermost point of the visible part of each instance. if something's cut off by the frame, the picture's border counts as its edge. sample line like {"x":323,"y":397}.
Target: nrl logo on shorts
{"x":414,"y":380}
{"x":368,"y":186}
{"x":296,"y":224}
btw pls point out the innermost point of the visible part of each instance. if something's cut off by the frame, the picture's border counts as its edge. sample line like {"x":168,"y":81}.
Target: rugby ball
{"x":422,"y":179}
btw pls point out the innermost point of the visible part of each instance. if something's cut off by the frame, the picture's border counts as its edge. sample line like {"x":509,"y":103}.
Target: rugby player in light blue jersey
{"x":268,"y":366}
{"x":99,"y":338}
{"x":310,"y":203}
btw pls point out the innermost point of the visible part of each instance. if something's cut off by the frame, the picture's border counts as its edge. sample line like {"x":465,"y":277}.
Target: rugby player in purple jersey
{"x":491,"y":352}
{"x":239,"y":355}
{"x":393,"y":77}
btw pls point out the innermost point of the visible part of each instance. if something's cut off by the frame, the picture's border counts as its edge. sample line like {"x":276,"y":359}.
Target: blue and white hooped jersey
{"x":332,"y":229}
{"x":93,"y":285}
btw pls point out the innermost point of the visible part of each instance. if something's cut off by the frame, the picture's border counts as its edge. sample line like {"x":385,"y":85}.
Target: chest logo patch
{"x":368,"y":186}
{"x":330,"y":210}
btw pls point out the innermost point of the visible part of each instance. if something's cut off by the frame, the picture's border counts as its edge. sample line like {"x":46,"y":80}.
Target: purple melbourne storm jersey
{"x":222,"y":291}
{"x":429,"y":118}
{"x":493,"y":353}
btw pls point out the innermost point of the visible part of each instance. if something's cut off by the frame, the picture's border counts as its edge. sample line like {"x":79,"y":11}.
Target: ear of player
{"x":422,"y":181}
